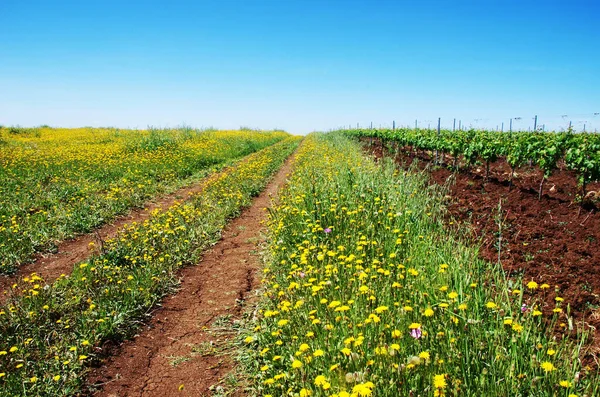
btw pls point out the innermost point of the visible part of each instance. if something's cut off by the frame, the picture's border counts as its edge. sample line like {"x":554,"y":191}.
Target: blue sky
{"x":299,"y":65}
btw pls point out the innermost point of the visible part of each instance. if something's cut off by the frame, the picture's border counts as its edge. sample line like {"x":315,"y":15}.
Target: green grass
{"x":367,"y":292}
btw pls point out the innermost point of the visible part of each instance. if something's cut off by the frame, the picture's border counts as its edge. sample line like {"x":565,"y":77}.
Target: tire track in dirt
{"x":188,"y":339}
{"x":70,"y":252}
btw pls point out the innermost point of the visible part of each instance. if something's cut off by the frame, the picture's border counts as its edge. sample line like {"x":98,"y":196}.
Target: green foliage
{"x":581,"y":152}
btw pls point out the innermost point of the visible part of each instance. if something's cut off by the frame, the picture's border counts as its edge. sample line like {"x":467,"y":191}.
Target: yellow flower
{"x":517,"y":327}
{"x":320,"y":380}
{"x":305,"y":393}
{"x":532,"y":285}
{"x":318,"y":353}
{"x":56,"y":378}
{"x":547,"y":366}
{"x":565,"y":383}
{"x":424,"y":355}
{"x":551,"y":352}
{"x":363,"y":389}
{"x":296,"y":364}
{"x":439,"y":381}
{"x":414,"y":326}
{"x":428,"y":312}
{"x":491,"y":305}
{"x":304,"y":347}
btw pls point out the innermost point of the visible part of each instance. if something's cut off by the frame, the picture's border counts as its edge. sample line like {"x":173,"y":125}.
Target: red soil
{"x":553,"y":240}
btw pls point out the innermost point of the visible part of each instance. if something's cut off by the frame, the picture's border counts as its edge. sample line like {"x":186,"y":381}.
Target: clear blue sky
{"x":298,"y":65}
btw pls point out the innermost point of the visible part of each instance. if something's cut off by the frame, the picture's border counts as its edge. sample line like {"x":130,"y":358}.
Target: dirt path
{"x":189,"y":338}
{"x":70,"y":252}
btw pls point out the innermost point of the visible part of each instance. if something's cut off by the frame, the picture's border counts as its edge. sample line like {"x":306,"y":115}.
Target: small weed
{"x":175,"y":361}
{"x":528,"y":256}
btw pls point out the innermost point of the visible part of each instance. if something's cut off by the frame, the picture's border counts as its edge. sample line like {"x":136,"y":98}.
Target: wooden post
{"x":438,"y":134}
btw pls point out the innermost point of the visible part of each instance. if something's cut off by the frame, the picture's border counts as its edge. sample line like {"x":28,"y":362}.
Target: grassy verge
{"x":57,"y":183}
{"x":50,"y":335}
{"x":368,"y":293}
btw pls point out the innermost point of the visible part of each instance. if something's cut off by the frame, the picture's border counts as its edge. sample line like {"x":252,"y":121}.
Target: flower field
{"x":367,"y":292}
{"x":50,"y":335}
{"x":57,"y":183}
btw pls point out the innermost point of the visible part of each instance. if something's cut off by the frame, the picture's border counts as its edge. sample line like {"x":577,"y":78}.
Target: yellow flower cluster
{"x":57,"y":183}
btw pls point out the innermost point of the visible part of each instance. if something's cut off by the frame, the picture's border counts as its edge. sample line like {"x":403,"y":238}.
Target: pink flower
{"x":416,"y":333}
{"x":524,"y":308}
{"x":327,"y":230}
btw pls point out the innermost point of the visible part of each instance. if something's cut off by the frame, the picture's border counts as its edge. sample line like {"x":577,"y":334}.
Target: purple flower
{"x":302,"y":274}
{"x":327,"y":230}
{"x":524,"y":308}
{"x":416,"y":333}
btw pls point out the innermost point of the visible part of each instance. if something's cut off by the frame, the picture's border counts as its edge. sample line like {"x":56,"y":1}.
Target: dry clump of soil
{"x":185,"y":349}
{"x":554,"y":240}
